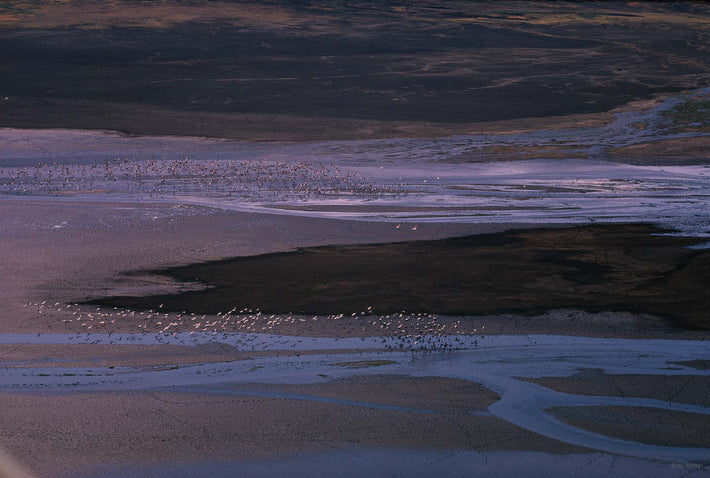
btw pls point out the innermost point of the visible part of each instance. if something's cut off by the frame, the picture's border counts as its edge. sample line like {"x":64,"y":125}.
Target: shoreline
{"x":341,"y":129}
{"x":244,"y":128}
{"x":256,"y":192}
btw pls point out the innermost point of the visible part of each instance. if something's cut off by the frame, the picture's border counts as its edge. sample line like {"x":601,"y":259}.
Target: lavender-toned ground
{"x":569,"y":140}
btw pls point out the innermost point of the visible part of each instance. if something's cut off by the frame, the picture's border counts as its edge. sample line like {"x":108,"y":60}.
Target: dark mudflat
{"x":601,"y":267}
{"x":315,"y":70}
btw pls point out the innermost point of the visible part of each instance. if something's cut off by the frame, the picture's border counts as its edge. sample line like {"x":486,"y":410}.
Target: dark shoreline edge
{"x":617,"y":267}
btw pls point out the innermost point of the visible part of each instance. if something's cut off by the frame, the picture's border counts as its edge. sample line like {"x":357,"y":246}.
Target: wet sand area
{"x":88,"y":355}
{"x":639,"y":424}
{"x":85,"y":389}
{"x":604,"y":267}
{"x":244,"y":323}
{"x":690,"y":389}
{"x":480,"y":397}
{"x":162,"y":426}
{"x":423,"y":394}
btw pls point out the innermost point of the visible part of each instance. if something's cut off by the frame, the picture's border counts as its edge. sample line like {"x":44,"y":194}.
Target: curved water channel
{"x":500,"y":363}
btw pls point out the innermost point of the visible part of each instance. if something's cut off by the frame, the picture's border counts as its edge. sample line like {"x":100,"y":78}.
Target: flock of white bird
{"x":210,"y":178}
{"x":415,"y":331}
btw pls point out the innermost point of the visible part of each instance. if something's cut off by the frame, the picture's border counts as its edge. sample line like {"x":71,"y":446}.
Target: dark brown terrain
{"x":316,"y":70}
{"x":612,"y":267}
